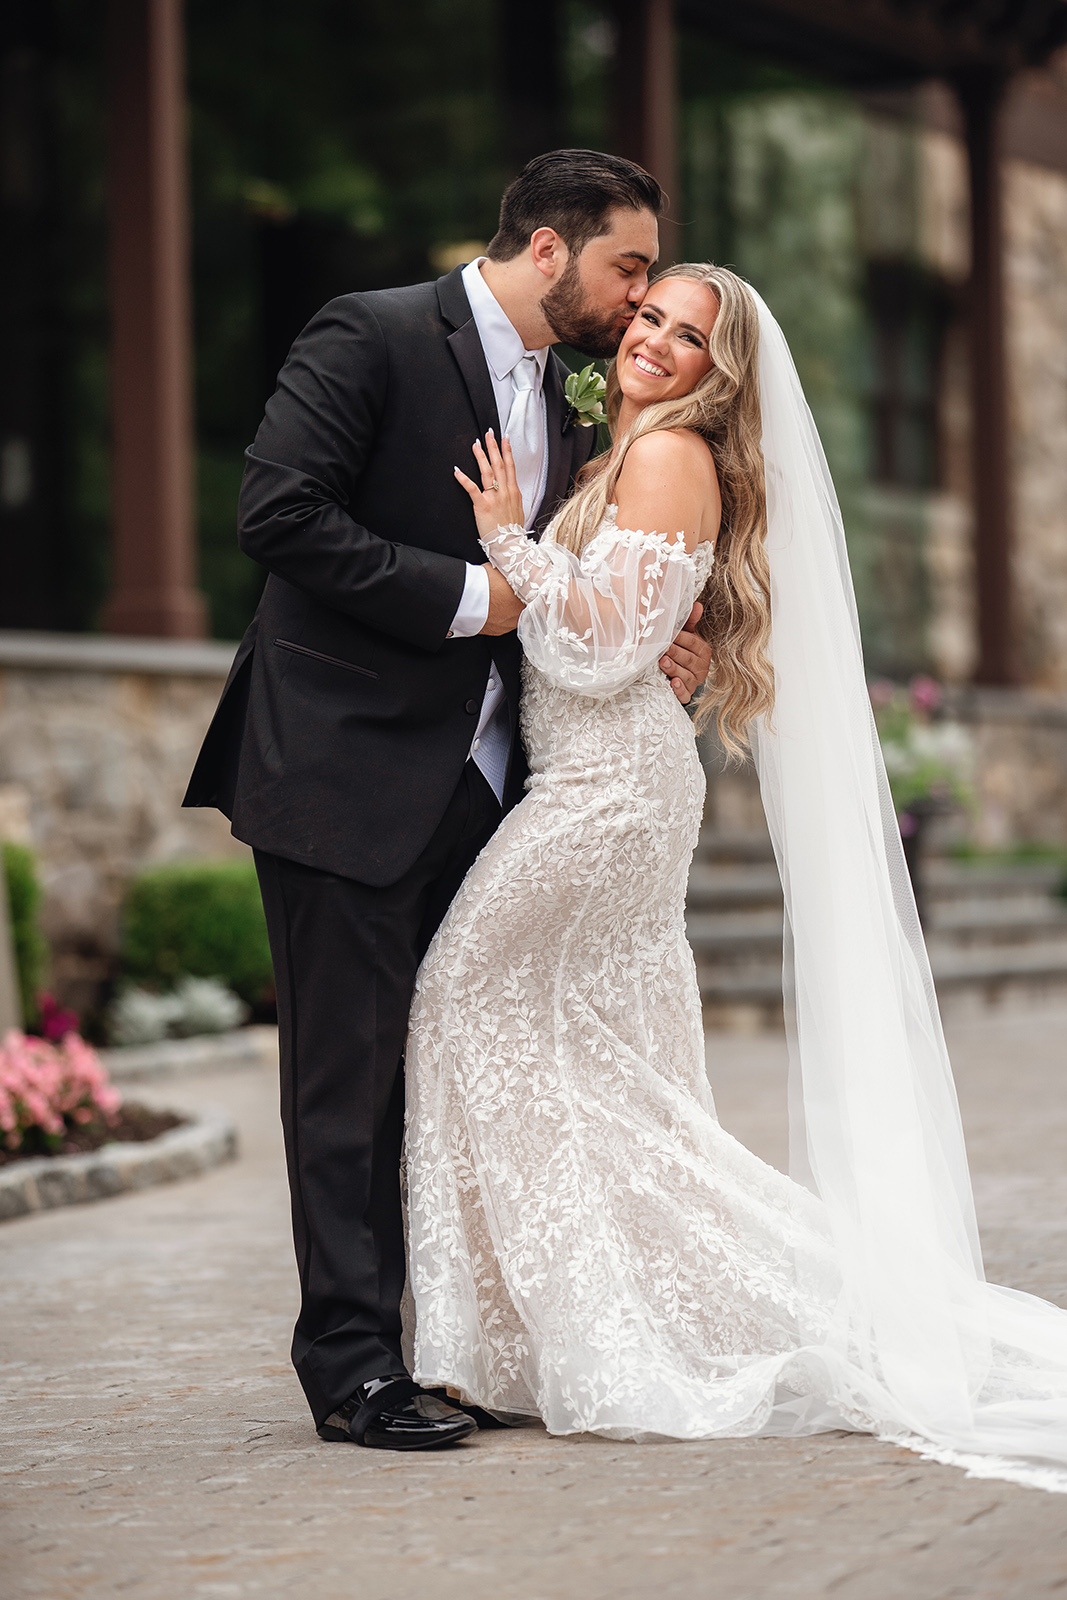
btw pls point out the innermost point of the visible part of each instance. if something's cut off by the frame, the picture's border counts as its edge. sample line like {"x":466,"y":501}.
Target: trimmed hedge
{"x":198,"y":918}
{"x":31,"y":948}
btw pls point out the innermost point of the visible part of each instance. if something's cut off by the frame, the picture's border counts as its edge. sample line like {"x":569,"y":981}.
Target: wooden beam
{"x":152,"y":437}
{"x":646,"y":98}
{"x":981,"y":96}
{"x":886,"y":41}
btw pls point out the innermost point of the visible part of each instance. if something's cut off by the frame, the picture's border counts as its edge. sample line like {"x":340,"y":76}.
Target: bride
{"x":588,"y":1245}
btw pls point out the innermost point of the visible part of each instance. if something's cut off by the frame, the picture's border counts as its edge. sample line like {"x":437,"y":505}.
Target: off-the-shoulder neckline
{"x":611,"y":510}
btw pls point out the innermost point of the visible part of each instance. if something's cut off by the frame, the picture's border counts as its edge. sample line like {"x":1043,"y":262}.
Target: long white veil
{"x":975,"y":1373}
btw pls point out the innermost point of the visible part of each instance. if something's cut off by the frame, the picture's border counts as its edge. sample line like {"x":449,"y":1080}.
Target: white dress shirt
{"x":503,"y":351}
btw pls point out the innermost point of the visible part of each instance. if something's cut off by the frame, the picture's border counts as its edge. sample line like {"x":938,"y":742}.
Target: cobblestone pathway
{"x":156,"y":1445}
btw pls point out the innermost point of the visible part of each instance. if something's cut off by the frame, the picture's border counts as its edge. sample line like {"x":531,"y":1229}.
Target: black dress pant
{"x":345,"y":957}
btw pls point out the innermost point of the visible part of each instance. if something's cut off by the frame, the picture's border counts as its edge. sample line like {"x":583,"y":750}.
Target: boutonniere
{"x":585,"y":395}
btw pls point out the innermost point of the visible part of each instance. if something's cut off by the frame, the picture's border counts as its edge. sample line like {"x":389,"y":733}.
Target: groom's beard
{"x":576,"y":322}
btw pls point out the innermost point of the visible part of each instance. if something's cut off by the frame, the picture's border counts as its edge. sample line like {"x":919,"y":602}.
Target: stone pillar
{"x":980,"y":97}
{"x":152,"y":473}
{"x":646,"y":99}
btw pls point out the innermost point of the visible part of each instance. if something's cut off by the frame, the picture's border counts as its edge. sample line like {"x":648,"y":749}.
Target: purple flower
{"x":55,"y":1022}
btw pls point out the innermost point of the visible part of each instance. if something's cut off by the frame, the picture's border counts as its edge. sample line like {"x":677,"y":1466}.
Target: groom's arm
{"x":301,"y":474}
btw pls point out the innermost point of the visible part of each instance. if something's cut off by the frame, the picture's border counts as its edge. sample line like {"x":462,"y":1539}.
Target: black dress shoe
{"x":485,"y":1419}
{"x":397,"y":1415}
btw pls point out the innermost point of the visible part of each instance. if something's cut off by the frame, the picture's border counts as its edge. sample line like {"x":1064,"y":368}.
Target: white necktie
{"x":525,"y":431}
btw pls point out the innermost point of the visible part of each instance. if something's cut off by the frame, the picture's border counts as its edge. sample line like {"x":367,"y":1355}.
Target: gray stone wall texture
{"x":96,"y":746}
{"x":1020,"y":773}
{"x":1035,"y":263}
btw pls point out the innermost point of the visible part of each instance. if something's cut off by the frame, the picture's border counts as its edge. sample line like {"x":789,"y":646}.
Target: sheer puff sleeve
{"x":595,"y":622}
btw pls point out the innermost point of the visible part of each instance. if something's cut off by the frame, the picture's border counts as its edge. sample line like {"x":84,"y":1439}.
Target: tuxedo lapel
{"x":567,"y":451}
{"x":466,"y":347}
{"x":470,"y":358}
{"x":560,"y":444}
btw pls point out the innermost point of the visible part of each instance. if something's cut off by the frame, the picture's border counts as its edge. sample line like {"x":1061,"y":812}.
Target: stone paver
{"x":156,"y":1444}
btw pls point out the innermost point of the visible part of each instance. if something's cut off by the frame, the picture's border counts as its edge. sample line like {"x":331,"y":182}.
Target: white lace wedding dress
{"x":588,"y":1245}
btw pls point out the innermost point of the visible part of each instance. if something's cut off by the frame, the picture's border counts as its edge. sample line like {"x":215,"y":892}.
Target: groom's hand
{"x":505,"y":607}
{"x":688,"y":661}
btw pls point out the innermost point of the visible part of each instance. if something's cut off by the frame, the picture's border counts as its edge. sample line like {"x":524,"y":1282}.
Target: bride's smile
{"x":664,"y":351}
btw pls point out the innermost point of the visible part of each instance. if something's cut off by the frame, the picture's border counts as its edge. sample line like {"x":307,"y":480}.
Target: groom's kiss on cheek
{"x":594,"y":300}
{"x":584,"y":292}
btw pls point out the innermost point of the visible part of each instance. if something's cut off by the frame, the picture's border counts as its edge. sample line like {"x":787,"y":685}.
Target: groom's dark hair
{"x":574,"y":192}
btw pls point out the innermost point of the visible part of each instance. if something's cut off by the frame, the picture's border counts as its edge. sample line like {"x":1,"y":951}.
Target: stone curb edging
{"x":179,"y":1058}
{"x":48,"y":1181}
{"x":101,"y":652}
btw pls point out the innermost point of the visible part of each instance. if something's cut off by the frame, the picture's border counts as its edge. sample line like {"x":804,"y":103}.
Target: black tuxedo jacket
{"x":348,"y":714}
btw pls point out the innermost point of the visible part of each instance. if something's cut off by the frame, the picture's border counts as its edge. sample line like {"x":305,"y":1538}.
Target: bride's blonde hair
{"x":724,"y":409}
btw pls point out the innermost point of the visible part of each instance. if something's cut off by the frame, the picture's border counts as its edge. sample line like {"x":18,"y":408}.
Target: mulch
{"x":135,"y":1124}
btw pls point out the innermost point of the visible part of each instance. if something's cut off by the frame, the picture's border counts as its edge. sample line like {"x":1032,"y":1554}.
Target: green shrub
{"x":24,"y":901}
{"x":198,"y":918}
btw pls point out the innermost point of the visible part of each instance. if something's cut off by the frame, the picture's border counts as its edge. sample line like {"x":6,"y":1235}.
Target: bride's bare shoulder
{"x":668,"y":481}
{"x":670,"y":450}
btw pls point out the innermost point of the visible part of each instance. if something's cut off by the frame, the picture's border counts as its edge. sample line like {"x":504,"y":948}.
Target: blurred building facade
{"x":831,"y":153}
{"x":181,"y":188}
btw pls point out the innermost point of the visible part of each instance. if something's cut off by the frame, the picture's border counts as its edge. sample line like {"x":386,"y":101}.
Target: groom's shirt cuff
{"x":474,"y":604}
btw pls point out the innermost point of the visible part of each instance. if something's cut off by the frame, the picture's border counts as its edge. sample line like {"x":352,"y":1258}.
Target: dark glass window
{"x":909,"y":310}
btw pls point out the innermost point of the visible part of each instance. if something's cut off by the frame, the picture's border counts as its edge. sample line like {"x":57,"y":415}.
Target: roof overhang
{"x":868,"y":43}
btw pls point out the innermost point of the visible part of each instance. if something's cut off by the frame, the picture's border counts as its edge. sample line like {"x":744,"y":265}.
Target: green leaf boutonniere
{"x":585,"y":396}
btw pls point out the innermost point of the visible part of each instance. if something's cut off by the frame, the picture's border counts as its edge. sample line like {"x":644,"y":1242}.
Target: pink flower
{"x":925,"y":695}
{"x":46,"y":1088}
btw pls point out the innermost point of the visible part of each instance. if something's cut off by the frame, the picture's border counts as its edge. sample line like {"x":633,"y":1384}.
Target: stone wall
{"x":1036,"y":275}
{"x":1020,"y":738}
{"x":1020,"y":745}
{"x":1035,"y":261}
{"x":913,"y":205}
{"x":97,"y":739}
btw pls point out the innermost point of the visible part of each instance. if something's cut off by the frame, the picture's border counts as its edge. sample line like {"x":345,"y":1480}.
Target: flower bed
{"x":134,"y":1124}
{"x":57,"y":1099}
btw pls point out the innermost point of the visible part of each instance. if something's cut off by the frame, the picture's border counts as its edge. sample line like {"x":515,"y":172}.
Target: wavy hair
{"x":724,"y":409}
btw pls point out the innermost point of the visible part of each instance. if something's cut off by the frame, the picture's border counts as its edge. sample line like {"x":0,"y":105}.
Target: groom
{"x":366,"y":742}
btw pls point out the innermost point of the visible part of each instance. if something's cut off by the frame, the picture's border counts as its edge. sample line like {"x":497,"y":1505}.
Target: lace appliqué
{"x":595,"y":622}
{"x":587,"y":1243}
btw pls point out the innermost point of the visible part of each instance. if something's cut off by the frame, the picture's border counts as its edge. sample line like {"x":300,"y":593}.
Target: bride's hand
{"x":498,"y":502}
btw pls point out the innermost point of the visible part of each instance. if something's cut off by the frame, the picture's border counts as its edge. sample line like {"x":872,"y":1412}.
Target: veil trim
{"x":962,"y":1370}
